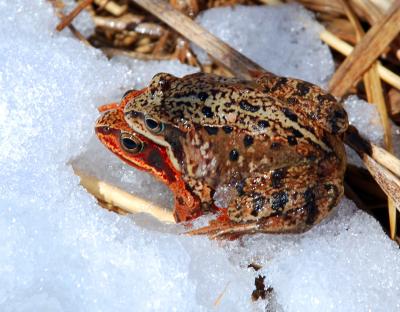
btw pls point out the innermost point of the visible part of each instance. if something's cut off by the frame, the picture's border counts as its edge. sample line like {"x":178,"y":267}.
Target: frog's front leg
{"x":281,"y":201}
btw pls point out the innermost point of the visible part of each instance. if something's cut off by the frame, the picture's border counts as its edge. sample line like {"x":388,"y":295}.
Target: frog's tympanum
{"x":274,"y":141}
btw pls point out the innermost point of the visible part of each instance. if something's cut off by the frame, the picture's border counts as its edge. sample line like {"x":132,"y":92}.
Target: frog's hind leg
{"x":298,"y":97}
{"x":317,"y":204}
{"x":285,"y":200}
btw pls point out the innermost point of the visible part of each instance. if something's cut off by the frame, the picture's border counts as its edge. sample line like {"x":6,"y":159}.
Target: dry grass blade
{"x":366,"y":52}
{"x":223,"y":53}
{"x":363,"y":146}
{"x":386,"y":159}
{"x":389,"y":183}
{"x":386,"y":180}
{"x":116,"y":197}
{"x":367,"y":9}
{"x":221,"y":295}
{"x":346,"y":49}
{"x":69,"y":18}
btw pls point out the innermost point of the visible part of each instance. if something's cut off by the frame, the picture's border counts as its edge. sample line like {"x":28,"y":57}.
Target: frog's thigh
{"x":303,"y":98}
{"x":286,"y":199}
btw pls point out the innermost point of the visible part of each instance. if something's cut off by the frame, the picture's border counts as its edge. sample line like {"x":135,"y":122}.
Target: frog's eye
{"x":130,"y":143}
{"x":153,"y":125}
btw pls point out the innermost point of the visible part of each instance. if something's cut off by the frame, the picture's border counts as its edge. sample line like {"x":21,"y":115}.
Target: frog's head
{"x":140,"y":152}
{"x":147,"y":112}
{"x":133,"y":148}
{"x":153,"y":113}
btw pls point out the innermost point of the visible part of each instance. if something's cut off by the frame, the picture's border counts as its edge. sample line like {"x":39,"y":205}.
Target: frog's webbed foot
{"x":294,"y":221}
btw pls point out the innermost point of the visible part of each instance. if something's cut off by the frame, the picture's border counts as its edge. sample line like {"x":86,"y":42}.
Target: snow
{"x":59,"y":251}
{"x":282,"y":39}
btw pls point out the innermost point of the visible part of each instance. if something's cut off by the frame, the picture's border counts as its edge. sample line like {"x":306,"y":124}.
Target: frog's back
{"x":212,"y":102}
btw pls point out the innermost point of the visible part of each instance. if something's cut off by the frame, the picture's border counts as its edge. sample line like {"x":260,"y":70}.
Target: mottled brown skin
{"x":275,"y":140}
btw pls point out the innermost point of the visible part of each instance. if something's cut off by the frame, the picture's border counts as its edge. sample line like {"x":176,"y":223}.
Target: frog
{"x":275,"y":142}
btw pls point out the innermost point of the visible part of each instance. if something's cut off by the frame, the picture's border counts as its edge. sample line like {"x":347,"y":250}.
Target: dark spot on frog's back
{"x":302,"y":88}
{"x":202,"y":96}
{"x":258,"y":204}
{"x":248,"y":140}
{"x":296,"y":133}
{"x":214,"y":92}
{"x":207,"y":111}
{"x":325,"y":98}
{"x":211,"y":130}
{"x":277,"y":176}
{"x":248,"y":107}
{"x":279,"y":200}
{"x":227,"y":129}
{"x":234,"y":155}
{"x":263,"y":124}
{"x":292,"y":140}
{"x":290,"y":114}
{"x":281,"y":81}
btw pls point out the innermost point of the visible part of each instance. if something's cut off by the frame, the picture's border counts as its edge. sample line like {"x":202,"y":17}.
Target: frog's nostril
{"x":106,"y":130}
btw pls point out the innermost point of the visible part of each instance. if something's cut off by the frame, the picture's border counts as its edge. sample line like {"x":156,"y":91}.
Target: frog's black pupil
{"x":151,"y":123}
{"x":129,"y":143}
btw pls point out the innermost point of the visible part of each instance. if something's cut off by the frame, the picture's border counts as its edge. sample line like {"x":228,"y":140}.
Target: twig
{"x":116,"y":197}
{"x":389,"y":183}
{"x":363,"y":146}
{"x":71,"y":27}
{"x":220,"y":51}
{"x":69,"y":17}
{"x":386,"y":180}
{"x":346,"y":49}
{"x":367,"y":51}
